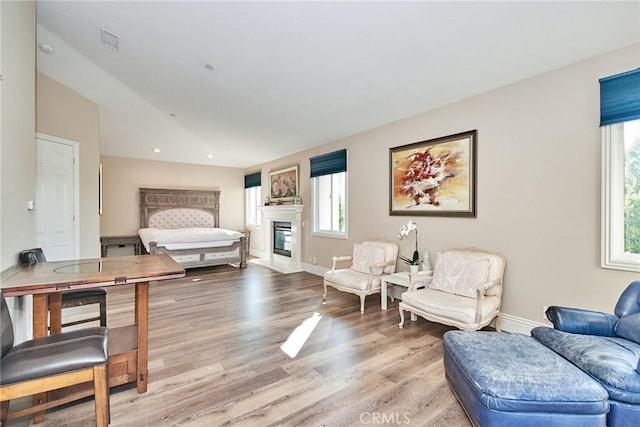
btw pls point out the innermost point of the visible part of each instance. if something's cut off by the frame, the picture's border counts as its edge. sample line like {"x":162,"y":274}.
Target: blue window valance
{"x":620,"y":98}
{"x":253,"y":180}
{"x":329,"y":163}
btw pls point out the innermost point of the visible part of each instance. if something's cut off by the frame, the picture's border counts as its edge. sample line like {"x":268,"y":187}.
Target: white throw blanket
{"x":188,"y":238}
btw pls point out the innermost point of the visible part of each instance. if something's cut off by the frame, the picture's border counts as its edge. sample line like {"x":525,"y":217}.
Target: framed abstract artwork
{"x":436,"y":177}
{"x":283,"y":184}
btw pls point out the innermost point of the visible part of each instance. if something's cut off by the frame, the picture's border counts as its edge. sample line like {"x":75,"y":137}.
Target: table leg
{"x":40,"y":329}
{"x":55,"y":313}
{"x":383,"y":300}
{"x":142,"y":327}
{"x":40,"y":311}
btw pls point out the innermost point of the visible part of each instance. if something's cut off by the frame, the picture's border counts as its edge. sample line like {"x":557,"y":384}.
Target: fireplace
{"x":289,"y":240}
{"x":282,"y":238}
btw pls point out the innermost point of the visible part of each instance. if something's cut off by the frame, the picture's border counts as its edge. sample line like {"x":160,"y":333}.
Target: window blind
{"x":253,"y":180}
{"x":329,"y":163}
{"x":620,"y":98}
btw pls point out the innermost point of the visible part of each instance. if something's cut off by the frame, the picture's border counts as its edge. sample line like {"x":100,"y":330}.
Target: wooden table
{"x":400,"y":279}
{"x":128,"y":346}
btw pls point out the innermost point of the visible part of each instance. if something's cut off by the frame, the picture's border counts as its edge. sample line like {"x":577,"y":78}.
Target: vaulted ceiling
{"x":242,"y":83}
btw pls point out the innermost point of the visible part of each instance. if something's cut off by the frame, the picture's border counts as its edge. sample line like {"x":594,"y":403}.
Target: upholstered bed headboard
{"x":171,"y":208}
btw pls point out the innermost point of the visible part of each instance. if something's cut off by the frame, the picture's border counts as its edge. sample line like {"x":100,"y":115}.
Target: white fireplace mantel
{"x":288,"y":213}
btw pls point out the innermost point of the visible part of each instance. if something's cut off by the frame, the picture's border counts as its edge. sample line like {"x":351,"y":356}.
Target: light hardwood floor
{"x":215,"y":358}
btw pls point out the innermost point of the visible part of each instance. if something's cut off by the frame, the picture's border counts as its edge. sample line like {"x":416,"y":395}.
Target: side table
{"x":121,"y":241}
{"x":399,"y":279}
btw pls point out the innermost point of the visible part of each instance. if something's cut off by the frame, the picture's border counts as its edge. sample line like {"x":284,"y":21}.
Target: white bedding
{"x":188,"y":238}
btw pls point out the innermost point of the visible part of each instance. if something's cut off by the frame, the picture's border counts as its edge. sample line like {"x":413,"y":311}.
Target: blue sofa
{"x":505,"y":380}
{"x":605,"y":346}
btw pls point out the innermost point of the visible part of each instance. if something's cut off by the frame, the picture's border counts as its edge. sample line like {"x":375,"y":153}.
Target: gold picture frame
{"x":283,"y":184}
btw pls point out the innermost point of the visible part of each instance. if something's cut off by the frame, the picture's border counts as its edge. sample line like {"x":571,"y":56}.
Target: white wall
{"x":538,"y":187}
{"x":18,"y":145}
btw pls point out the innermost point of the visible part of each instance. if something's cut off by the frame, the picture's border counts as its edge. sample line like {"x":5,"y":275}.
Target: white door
{"x":55,"y":199}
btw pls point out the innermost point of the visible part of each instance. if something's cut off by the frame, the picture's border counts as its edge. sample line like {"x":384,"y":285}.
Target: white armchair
{"x":370,"y":260}
{"x":465,"y":291}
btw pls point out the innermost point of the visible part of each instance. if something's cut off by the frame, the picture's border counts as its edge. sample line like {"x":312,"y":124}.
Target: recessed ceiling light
{"x":46,"y":48}
{"x":208,"y":67}
{"x":210,"y":156}
{"x":172,"y":114}
{"x":110,"y":39}
{"x":156,"y":150}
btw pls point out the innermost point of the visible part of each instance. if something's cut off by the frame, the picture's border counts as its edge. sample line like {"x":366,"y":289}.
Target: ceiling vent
{"x":110,"y":40}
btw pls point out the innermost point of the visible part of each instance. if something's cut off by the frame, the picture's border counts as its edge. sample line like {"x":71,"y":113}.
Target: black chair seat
{"x":54,"y":354}
{"x":38,"y":366}
{"x":83,"y":294}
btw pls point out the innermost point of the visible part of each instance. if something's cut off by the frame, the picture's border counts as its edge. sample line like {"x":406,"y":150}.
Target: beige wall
{"x":123,"y":177}
{"x":538,"y":176}
{"x":538,"y":187}
{"x":17,"y":120}
{"x":66,"y":114}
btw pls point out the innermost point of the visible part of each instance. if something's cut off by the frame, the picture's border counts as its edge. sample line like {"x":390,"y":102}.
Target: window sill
{"x":624,"y":262}
{"x":329,"y":235}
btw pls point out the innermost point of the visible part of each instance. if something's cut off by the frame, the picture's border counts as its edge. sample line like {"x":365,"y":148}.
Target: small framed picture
{"x":283,"y":184}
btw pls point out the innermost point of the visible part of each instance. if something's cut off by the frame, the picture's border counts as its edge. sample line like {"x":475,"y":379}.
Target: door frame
{"x":76,"y":184}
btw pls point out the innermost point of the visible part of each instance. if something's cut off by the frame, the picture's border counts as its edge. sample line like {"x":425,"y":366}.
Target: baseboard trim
{"x":508,"y":322}
{"x":314,"y":269}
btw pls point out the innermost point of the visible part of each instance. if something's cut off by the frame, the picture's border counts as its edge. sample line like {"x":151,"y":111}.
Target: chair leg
{"x":401,"y":324}
{"x":101,"y":395}
{"x":362,"y":297}
{"x":324,"y":297}
{"x":103,"y":313}
{"x":497,"y":323}
{"x":4,"y":411}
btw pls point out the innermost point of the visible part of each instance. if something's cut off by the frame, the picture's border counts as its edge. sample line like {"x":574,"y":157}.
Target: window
{"x":620,"y":114}
{"x":252,"y":199}
{"x":621,"y":196}
{"x":329,"y":193}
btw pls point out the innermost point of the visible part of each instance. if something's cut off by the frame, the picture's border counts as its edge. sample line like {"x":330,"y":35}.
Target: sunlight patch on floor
{"x":299,"y":336}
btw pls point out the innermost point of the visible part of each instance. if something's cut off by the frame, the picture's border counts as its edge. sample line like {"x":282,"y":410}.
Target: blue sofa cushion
{"x":611,"y":360}
{"x":629,"y":327}
{"x":515,"y":373}
{"x":629,"y":301}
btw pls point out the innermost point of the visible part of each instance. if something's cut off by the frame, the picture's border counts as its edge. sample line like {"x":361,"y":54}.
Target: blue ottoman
{"x":504,"y":379}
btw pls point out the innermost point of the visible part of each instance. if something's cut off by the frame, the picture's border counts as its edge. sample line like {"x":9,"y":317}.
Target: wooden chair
{"x":35,"y":367}
{"x":73,"y":298}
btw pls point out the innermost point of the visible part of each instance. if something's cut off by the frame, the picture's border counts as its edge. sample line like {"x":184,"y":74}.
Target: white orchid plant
{"x":405,"y":230}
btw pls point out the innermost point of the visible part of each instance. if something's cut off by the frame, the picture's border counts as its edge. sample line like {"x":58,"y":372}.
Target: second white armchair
{"x":465,"y":291}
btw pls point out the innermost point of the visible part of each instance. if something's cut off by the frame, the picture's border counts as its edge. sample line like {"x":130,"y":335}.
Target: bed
{"x":185,"y":225}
